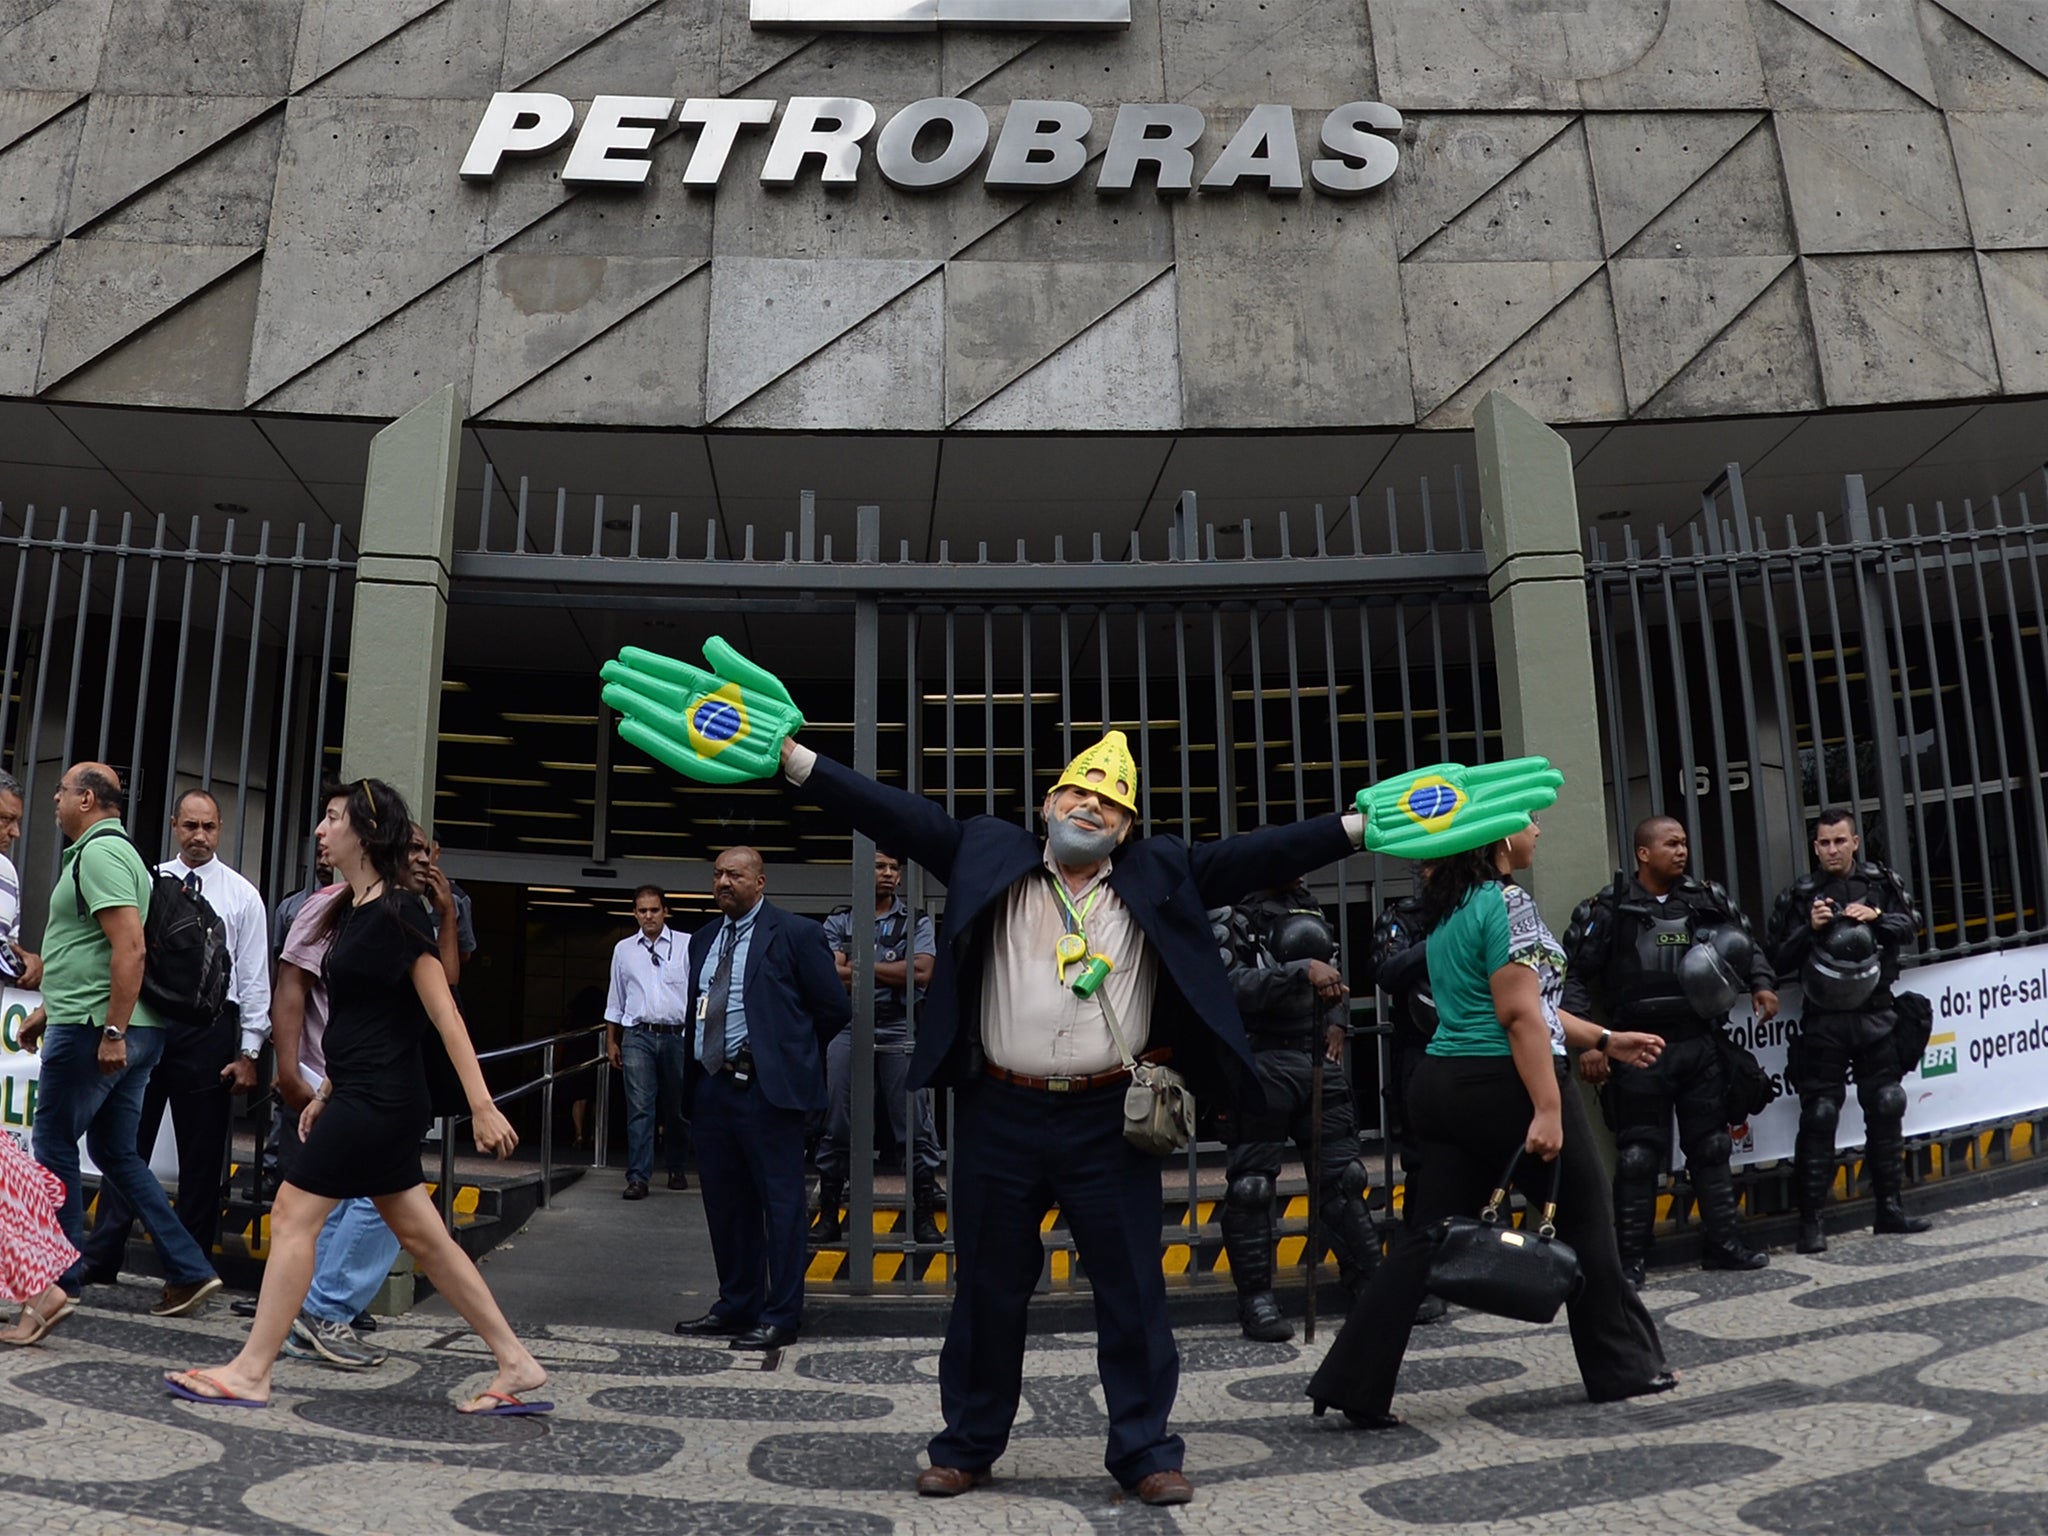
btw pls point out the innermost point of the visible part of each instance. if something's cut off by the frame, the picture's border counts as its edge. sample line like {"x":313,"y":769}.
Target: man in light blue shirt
{"x":648,"y":1009}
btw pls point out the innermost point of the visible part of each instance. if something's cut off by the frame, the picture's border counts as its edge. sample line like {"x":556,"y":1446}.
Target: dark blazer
{"x":795,"y":1003}
{"x":1167,"y":885}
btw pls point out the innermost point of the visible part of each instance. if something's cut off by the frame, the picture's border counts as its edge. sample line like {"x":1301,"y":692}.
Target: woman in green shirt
{"x":1495,"y":1078}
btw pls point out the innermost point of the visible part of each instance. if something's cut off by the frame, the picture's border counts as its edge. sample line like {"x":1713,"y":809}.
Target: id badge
{"x":703,"y":1007}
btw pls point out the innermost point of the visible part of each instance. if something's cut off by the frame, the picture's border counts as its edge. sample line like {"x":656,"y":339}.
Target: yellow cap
{"x":1108,"y":769}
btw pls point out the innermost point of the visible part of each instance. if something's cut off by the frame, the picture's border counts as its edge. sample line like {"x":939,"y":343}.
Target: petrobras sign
{"x":932,"y":144}
{"x":1986,"y":1062}
{"x":926,"y":15}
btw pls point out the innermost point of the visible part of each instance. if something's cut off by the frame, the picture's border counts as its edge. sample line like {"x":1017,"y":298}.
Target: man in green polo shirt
{"x":101,"y":1039}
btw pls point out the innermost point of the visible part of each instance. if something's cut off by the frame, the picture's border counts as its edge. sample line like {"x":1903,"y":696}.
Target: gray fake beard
{"x":1077,"y":847}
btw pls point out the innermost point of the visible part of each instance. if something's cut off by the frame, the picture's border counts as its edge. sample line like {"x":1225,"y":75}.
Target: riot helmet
{"x":1843,"y":967}
{"x":1711,"y":971}
{"x":1301,"y":935}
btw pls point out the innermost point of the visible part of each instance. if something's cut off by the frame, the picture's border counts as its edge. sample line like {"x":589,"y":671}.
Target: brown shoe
{"x":678,"y":1181}
{"x":1168,"y":1487}
{"x":184,"y":1300}
{"x":949,"y":1482}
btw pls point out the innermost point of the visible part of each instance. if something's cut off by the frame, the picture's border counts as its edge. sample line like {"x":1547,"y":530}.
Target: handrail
{"x":545,"y":1083}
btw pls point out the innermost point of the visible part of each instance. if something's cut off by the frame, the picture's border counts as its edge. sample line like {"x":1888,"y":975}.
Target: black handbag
{"x":1747,"y":1088}
{"x":1912,"y":1028}
{"x":1482,"y":1263}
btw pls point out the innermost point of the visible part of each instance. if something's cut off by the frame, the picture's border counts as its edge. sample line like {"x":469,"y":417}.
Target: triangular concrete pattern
{"x":1643,"y":162}
{"x":23,"y":112}
{"x":646,"y":371}
{"x":1886,"y":37}
{"x":1267,"y":50}
{"x":1763,"y":363}
{"x":991,"y":306}
{"x":540,"y":34}
{"x":1823,"y":165}
{"x":2016,"y":29}
{"x":332,"y":32}
{"x":2003,"y":160}
{"x":108,"y":290}
{"x":1463,"y":315}
{"x":895,"y":353}
{"x":2016,"y":294}
{"x":1974,"y":73}
{"x":1121,"y":373}
{"x":1667,"y":312}
{"x":1807,"y":70}
{"x":16,"y":253}
{"x":1456,"y":160}
{"x":770,"y":313}
{"x":1873,"y":309}
{"x":209,"y":199}
{"x":416,"y":347}
{"x":24,"y":315}
{"x":1737,"y":209}
{"x":744,"y":55}
{"x":1568,"y":368}
{"x":1544,"y":210}
{"x":453,"y":51}
{"x":58,"y":48}
{"x":133,"y":142}
{"x":966,"y":58}
{"x":193,"y":358}
{"x":538,"y":308}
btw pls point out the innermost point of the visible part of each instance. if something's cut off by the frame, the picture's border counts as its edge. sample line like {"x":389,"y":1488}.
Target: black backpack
{"x":185,"y":967}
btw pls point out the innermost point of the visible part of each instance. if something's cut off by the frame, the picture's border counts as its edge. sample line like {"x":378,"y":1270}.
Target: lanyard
{"x":1072,"y":948}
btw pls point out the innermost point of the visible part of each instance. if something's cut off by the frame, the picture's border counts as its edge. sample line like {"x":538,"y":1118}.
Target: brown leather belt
{"x":1072,"y":1084}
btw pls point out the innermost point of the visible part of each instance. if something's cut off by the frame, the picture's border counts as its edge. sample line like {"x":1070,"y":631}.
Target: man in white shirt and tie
{"x":647,"y":1008}
{"x":202,"y":1065}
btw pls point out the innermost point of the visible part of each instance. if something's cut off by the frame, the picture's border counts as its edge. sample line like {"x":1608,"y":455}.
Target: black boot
{"x":924,"y":1209}
{"x":830,"y":1191}
{"x":1715,"y":1187}
{"x":1814,"y":1174}
{"x":1811,"y":1238}
{"x":1348,"y":1228}
{"x":1883,"y":1156}
{"x":1635,"y":1213}
{"x":1248,"y":1239}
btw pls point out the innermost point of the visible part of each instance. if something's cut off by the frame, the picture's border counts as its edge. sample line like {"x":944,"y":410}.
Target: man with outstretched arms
{"x":1669,"y":953}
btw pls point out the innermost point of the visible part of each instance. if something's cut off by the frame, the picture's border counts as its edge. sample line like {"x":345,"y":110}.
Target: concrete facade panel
{"x":536,"y":309}
{"x":428,"y":342}
{"x":220,"y":198}
{"x":2003,"y":160}
{"x":1872,"y":181}
{"x":1567,"y":368}
{"x":1737,"y":208}
{"x":195,"y":356}
{"x":1974,"y":73}
{"x":1284,"y":50}
{"x":1763,"y":362}
{"x":331,"y":32}
{"x":226,"y":47}
{"x":666,"y":49}
{"x":1644,"y":161}
{"x":1882,"y":33}
{"x":1067,"y":226}
{"x":896,"y":354}
{"x":52,"y":45}
{"x":768,"y":315}
{"x":457,"y":49}
{"x":1120,"y":373}
{"x":1807,"y":70}
{"x":1544,"y":210}
{"x":1666,"y":312}
{"x":1901,"y":327}
{"x":1461,"y":316}
{"x":107,"y":290}
{"x":646,"y":371}
{"x":130,"y":141}
{"x":1004,"y":318}
{"x":1313,"y":338}
{"x":2016,"y":294}
{"x":23,"y":112}
{"x":1102,"y":70}
{"x":35,"y":177}
{"x":1454,"y":159}
{"x":2021,"y":30}
{"x":24,"y":315}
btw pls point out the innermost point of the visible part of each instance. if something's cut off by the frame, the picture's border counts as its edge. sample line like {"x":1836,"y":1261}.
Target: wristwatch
{"x":1605,"y":1036}
{"x":111,"y":1033}
{"x":252,"y":1053}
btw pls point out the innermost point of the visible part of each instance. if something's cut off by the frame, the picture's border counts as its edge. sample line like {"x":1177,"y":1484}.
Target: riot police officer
{"x":1840,"y":928}
{"x":1669,"y":953}
{"x":1281,"y":953}
{"x":1398,"y":964}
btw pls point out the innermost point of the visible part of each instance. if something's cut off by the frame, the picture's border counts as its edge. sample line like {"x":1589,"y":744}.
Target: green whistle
{"x":1092,"y":976}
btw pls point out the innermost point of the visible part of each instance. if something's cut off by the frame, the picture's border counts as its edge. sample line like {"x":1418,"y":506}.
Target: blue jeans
{"x":354,"y":1256}
{"x":653,"y":1065}
{"x":73,"y":1099}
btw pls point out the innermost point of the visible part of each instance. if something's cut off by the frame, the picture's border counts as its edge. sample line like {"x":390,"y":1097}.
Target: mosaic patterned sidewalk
{"x":1891,"y":1385}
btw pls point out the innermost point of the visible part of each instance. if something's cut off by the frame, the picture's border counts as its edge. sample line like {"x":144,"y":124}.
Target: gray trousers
{"x":919,"y":1139}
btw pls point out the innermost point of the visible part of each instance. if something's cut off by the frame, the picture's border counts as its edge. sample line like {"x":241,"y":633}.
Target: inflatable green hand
{"x":1451,"y":808}
{"x":723,"y":726}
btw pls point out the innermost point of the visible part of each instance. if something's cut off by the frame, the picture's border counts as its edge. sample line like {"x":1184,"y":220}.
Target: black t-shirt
{"x":375,"y":1020}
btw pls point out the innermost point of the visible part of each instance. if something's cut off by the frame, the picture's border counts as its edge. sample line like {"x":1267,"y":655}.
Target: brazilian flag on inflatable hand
{"x":723,"y":726}
{"x":1450,"y":808}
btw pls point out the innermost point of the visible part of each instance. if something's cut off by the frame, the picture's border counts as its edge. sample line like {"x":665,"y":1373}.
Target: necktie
{"x":191,"y":884}
{"x":715,"y":999}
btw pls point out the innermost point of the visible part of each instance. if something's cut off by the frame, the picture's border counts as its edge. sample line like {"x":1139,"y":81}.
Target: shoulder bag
{"x":1159,"y":1107}
{"x":1489,"y":1266}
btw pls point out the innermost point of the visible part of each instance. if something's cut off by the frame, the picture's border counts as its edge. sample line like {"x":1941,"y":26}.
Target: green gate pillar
{"x":392,"y":726}
{"x":1542,"y":641}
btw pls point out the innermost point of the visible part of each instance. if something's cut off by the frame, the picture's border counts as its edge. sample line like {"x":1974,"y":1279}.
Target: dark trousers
{"x":200,"y":1115}
{"x":1471,"y":1113}
{"x":1687,"y":1078}
{"x":1020,"y":1151}
{"x":1288,"y":1078}
{"x":909,"y":1114}
{"x":750,"y":1164}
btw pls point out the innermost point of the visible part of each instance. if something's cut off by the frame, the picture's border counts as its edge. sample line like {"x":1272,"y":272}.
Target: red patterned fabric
{"x":33,"y":1249}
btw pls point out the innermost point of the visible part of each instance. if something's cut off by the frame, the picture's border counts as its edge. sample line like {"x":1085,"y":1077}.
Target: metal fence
{"x":1269,"y":683}
{"x":184,"y":656}
{"x":1754,"y":673}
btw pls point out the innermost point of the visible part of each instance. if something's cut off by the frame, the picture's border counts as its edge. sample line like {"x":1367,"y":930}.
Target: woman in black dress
{"x":386,"y":989}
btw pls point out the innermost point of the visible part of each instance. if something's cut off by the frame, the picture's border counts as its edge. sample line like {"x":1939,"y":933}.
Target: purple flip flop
{"x":508,"y":1406}
{"x":221,"y":1398}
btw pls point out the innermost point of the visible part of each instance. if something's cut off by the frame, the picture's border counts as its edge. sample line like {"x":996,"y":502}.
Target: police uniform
{"x":1398,"y":964}
{"x":1262,"y":940}
{"x":897,"y":940}
{"x":1625,"y":946}
{"x":1832,"y":1045}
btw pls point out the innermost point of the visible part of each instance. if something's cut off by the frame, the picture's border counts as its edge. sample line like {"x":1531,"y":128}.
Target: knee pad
{"x":1819,"y":1114}
{"x":1717,"y":1148}
{"x":1250,"y":1191}
{"x":1888,"y":1103}
{"x":1635,"y":1160}
{"x":1354,"y":1180}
